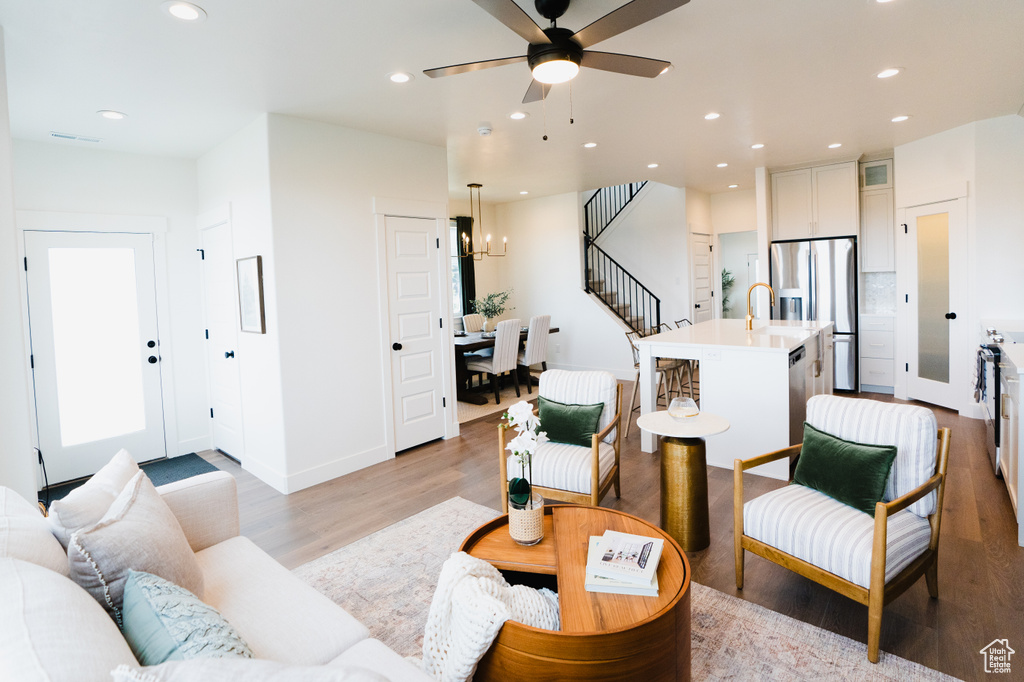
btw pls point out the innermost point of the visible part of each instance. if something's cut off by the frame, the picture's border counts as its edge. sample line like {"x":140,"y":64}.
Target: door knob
{"x":151,"y":344}
{"x":229,"y":354}
{"x":152,"y":359}
{"x":950,"y":316}
{"x":396,"y":346}
{"x":697,"y":305}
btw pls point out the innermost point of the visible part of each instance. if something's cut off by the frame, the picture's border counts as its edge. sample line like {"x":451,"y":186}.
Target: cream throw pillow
{"x":24,"y":534}
{"x":86,"y":504}
{"x":138,"y":532}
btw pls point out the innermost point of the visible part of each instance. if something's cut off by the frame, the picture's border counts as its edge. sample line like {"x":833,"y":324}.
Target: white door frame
{"x":53,"y":221}
{"x":438,"y":212}
{"x":960,"y":352}
{"x":714,"y":283}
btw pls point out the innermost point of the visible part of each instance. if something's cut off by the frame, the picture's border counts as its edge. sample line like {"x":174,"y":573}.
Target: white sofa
{"x":51,"y":629}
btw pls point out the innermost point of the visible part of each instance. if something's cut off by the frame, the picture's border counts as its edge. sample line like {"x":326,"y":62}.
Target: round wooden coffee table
{"x":603,"y":636}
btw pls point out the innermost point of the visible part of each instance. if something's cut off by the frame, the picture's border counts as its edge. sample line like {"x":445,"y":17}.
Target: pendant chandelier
{"x":477,"y":217}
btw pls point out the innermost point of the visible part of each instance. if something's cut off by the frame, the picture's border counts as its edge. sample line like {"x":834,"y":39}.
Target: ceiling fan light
{"x":555,"y":71}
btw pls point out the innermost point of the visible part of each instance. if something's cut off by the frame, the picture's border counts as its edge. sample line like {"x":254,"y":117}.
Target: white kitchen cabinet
{"x":1009,"y":432}
{"x":876,"y":174}
{"x":877,"y":231}
{"x":877,"y":353}
{"x":822,"y":201}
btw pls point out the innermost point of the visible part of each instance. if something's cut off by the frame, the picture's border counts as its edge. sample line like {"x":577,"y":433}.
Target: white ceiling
{"x":795,"y":75}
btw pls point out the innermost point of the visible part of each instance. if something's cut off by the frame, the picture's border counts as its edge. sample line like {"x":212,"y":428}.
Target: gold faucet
{"x":750,"y":310}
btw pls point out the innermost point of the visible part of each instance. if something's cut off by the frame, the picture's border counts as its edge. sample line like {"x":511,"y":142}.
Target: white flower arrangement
{"x":528,"y":434}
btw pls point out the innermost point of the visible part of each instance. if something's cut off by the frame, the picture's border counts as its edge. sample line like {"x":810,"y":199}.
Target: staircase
{"x":620,"y":291}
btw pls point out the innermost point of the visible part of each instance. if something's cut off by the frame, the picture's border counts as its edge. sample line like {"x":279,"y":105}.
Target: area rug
{"x":468,"y":411}
{"x":387,"y":580}
{"x":160,"y":471}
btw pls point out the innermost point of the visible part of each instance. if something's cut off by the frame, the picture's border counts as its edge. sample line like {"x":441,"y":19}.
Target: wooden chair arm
{"x":901,"y":503}
{"x":606,"y":430}
{"x":744,"y":464}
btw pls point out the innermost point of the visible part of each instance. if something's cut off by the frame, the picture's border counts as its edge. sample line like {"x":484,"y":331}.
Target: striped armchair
{"x":869,"y":560}
{"x":573,"y":473}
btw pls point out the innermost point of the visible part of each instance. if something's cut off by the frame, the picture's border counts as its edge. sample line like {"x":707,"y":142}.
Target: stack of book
{"x":621,"y":563}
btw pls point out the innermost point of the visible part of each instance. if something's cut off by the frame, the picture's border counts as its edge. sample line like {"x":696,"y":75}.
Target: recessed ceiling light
{"x":652,"y":165}
{"x":835,"y":145}
{"x":880,"y":1}
{"x":712,"y":116}
{"x":524,"y":192}
{"x":757,"y":146}
{"x":589,"y":145}
{"x":733,"y":186}
{"x":400,"y":77}
{"x":184,"y":11}
{"x":723,"y":165}
{"x":518,"y":115}
{"x":111,"y":114}
{"x":888,"y":73}
{"x":899,"y":119}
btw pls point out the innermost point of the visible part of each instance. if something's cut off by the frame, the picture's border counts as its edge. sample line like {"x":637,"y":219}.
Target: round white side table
{"x":684,"y":475}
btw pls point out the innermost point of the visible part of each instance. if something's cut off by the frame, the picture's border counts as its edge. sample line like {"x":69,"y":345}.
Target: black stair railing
{"x":602,"y":208}
{"x":623,"y":293}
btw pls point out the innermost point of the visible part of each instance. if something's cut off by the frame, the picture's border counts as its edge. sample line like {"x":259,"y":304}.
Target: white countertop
{"x":1014,"y":352}
{"x":663,"y":424}
{"x":767,"y":335}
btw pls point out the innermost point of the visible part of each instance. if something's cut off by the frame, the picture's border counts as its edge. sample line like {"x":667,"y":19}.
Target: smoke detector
{"x":485,"y":129}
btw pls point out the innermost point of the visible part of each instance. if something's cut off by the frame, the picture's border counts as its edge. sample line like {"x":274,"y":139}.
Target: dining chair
{"x":506,"y":347}
{"x":691,"y":365}
{"x":664,"y":378}
{"x":676,"y":365}
{"x":838,"y":544}
{"x":536,"y":351}
{"x":473,"y":322}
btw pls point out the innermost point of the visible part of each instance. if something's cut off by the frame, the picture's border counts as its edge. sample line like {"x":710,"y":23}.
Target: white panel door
{"x":221,"y":300}
{"x":414,"y":293}
{"x":701,"y":266}
{"x":95,"y":349}
{"x":936,"y":314}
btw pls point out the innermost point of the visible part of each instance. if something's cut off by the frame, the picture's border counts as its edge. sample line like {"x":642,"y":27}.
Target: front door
{"x":221,"y":299}
{"x":701,"y":267}
{"x":95,"y":349}
{"x":935,"y":310}
{"x":414,"y":292}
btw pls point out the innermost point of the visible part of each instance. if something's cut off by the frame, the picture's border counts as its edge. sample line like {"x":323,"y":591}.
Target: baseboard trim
{"x":339,"y":467}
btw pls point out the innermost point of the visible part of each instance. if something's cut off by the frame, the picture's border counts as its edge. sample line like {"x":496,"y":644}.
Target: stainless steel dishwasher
{"x":797,"y":394}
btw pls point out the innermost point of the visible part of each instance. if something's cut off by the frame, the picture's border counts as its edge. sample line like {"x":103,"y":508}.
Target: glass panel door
{"x":95,"y":347}
{"x":933,"y":297}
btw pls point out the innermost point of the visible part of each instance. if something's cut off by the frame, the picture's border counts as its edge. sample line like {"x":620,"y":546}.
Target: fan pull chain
{"x":570,"y":103}
{"x":544,"y":106}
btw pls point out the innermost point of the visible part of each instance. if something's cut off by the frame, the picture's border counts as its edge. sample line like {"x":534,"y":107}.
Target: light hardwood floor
{"x":981,"y":568}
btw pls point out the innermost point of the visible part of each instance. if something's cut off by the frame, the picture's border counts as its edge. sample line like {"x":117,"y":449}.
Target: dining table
{"x":468,"y":342}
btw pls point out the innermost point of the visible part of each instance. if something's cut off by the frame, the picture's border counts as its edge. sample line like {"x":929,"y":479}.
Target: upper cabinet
{"x":876,"y":174}
{"x":822,"y":201}
{"x":877,"y":237}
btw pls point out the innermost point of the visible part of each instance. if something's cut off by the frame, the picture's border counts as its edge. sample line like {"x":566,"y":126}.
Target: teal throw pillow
{"x":573,"y":424}
{"x":164,"y":622}
{"x":852,"y":473}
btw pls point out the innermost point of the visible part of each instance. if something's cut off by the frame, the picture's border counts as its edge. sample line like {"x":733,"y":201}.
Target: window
{"x":456,"y":270}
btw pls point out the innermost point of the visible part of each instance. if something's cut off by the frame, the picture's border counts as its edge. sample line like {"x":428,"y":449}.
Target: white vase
{"x":486,"y":322}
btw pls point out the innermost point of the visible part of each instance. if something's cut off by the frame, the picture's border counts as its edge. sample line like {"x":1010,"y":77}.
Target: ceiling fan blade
{"x":624,"y":63}
{"x":513,"y":16}
{"x":472,"y":66}
{"x":536,"y":92}
{"x":628,"y":16}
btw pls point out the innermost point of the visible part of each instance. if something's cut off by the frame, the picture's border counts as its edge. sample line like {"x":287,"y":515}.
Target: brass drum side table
{"x":684,"y":476}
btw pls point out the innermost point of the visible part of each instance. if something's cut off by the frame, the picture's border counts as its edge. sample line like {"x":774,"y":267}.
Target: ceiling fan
{"x":555,"y":54}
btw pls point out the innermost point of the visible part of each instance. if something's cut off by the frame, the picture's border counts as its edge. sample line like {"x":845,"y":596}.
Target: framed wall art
{"x":250,"y":295}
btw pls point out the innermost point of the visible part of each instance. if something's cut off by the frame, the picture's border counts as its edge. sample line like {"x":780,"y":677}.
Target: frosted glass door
{"x":92,"y":315}
{"x":935,"y":309}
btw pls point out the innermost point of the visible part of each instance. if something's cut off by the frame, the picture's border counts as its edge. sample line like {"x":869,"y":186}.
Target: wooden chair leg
{"x":931,"y":576}
{"x":737,"y":523}
{"x":515,"y":378}
{"x":632,"y":401}
{"x":497,"y":390}
{"x":529,"y":379}
{"x":689,"y":377}
{"x":875,"y":602}
{"x":615,"y":484}
{"x":544,"y":365}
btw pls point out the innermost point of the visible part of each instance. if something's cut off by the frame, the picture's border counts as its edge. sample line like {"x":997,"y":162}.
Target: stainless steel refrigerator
{"x":816,"y":279}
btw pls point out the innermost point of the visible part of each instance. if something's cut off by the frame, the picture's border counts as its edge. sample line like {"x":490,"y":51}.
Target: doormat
{"x":160,"y":471}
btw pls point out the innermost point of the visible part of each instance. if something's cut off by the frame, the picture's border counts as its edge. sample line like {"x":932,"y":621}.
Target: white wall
{"x":17,"y":461}
{"x":60,"y":177}
{"x":237,"y":173}
{"x":698,"y":211}
{"x":649,"y":239}
{"x":323,"y":181}
{"x":734,"y":211}
{"x":545,"y":268}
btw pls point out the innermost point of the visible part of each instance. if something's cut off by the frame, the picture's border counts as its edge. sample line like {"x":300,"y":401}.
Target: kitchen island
{"x":758,"y":380}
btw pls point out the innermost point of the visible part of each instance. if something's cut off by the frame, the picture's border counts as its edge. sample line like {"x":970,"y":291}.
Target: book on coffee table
{"x":598,"y":583}
{"x":629,"y":558}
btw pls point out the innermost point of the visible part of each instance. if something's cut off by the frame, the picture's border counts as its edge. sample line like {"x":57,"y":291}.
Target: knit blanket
{"x":471,"y":603}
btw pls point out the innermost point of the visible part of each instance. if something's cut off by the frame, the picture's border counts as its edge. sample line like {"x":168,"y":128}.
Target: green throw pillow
{"x":853,"y":473}
{"x":164,"y":622}
{"x":573,"y":424}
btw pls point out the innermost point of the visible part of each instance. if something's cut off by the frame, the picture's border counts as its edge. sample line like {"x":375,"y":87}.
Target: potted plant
{"x":525,"y":507}
{"x":492,"y":305}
